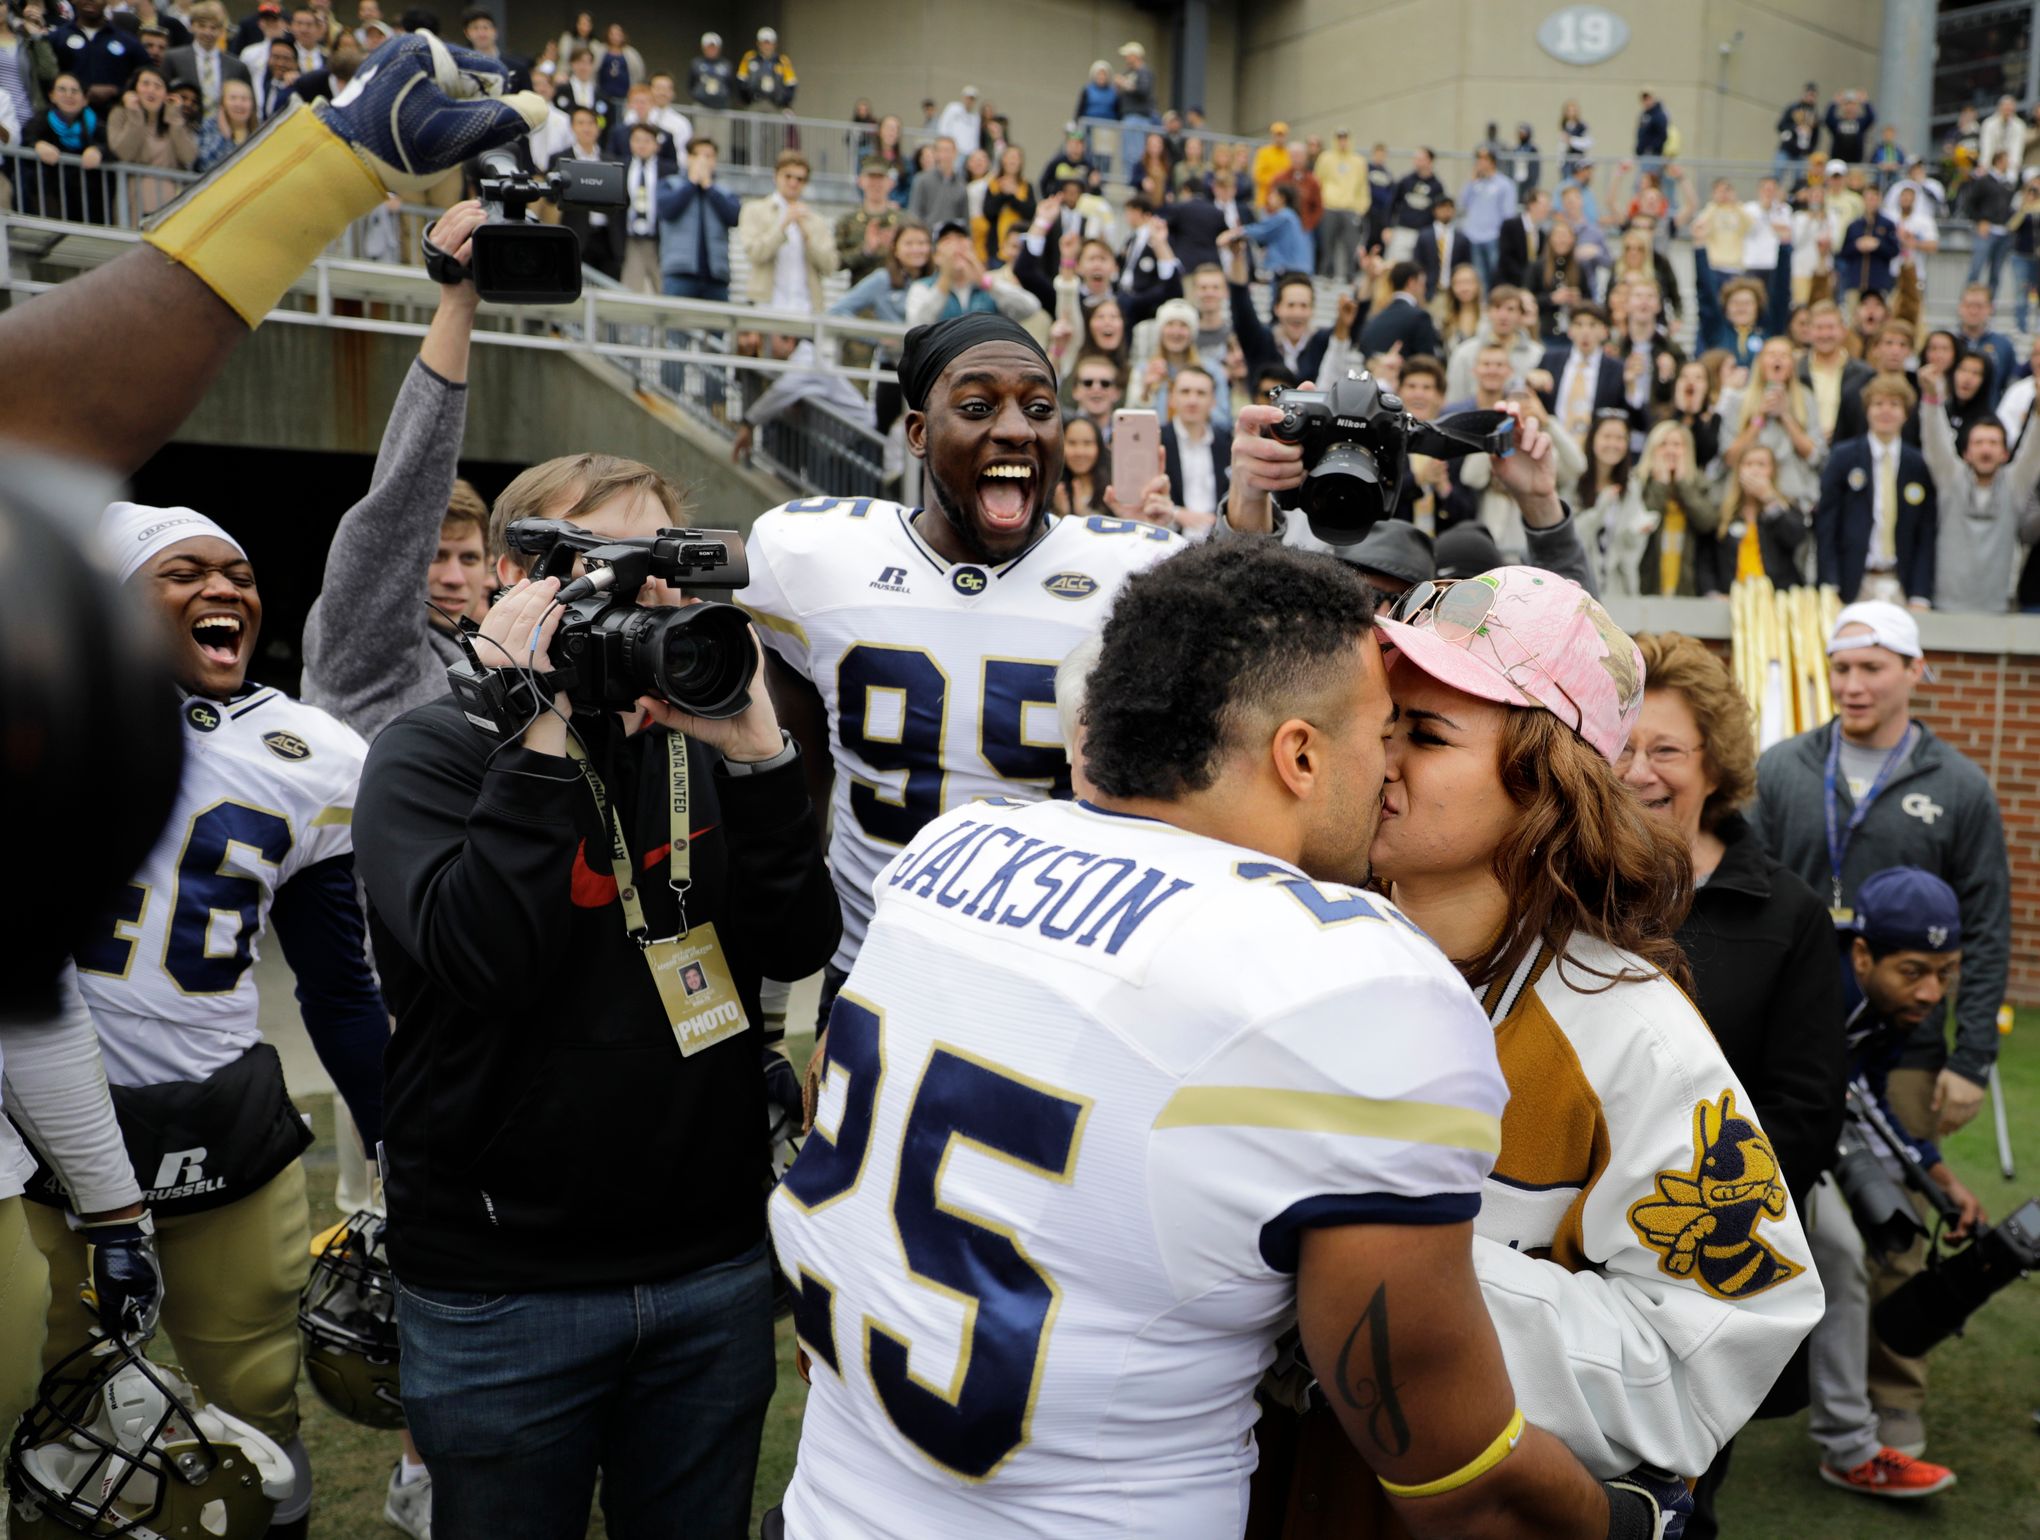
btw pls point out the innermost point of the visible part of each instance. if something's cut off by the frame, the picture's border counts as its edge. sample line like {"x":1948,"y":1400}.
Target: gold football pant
{"x":231,"y":1280}
{"x":24,"y":1303}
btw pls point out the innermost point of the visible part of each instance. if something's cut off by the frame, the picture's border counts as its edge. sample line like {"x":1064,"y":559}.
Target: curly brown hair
{"x":1673,"y":661}
{"x":1583,"y":857}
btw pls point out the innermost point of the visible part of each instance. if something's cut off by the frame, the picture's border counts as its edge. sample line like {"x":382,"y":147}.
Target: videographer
{"x":1905,"y":957}
{"x":573,"y":1162}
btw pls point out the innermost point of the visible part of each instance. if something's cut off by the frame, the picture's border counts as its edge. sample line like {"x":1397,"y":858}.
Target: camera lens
{"x":1342,"y":495}
{"x":700,"y":658}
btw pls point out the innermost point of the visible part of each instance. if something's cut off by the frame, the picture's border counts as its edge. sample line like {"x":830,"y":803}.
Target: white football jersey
{"x":939,"y":678}
{"x":268,"y":789}
{"x":1091,"y":1077}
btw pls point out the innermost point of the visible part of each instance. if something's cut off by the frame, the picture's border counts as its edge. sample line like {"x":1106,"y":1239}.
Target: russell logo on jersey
{"x":892,"y":580}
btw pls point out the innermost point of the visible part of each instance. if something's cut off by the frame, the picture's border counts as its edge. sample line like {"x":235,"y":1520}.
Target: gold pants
{"x":231,"y":1279}
{"x":24,"y":1303}
{"x":1899,"y":1384}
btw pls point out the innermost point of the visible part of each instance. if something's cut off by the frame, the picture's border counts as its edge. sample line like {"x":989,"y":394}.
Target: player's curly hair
{"x":1199,"y":645}
{"x":1584,"y":856}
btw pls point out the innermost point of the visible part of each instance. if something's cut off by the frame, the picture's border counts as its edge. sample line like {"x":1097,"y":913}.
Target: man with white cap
{"x":1872,"y":789}
{"x":261,"y":830}
{"x":1136,"y":83}
{"x":961,"y":121}
{"x":712,"y":79}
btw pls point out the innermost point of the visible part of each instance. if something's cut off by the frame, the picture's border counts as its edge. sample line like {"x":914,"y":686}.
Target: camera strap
{"x":1839,"y":835}
{"x":679,"y":853}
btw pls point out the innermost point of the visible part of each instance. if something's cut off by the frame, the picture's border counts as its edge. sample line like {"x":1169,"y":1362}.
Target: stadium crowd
{"x":537,"y":911}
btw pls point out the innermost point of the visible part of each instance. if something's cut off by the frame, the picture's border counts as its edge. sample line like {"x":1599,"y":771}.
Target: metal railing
{"x":680,"y":352}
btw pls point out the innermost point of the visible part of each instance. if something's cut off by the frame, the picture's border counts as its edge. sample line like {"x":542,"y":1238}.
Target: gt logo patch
{"x":1071,"y":585}
{"x":969,"y":581}
{"x":202,"y":715}
{"x":287,"y":746}
{"x":1921,"y":806}
{"x":1704,"y":1221}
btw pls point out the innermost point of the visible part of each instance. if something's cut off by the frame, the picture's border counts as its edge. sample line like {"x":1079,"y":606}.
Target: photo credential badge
{"x":694,"y":981}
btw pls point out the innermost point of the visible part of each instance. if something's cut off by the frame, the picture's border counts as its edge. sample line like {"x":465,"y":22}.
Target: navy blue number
{"x":1012,"y":686}
{"x":920,"y":722}
{"x":981,"y":1418}
{"x":1098,"y":524}
{"x":112,"y":953}
{"x":205,"y":890}
{"x":858,"y":506}
{"x":1334,"y":908}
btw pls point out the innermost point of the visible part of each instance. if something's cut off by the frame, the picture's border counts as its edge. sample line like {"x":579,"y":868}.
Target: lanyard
{"x":1838,"y":837}
{"x":679,"y":855}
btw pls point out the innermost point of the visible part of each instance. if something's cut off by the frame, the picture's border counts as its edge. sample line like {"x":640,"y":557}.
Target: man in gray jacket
{"x":1980,"y":498}
{"x":1874,"y":789}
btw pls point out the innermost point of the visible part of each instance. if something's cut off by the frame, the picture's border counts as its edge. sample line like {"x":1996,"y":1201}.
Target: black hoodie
{"x":542,"y":1128}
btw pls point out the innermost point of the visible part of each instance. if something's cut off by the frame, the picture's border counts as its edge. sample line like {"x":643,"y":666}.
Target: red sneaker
{"x":1888,"y":1473}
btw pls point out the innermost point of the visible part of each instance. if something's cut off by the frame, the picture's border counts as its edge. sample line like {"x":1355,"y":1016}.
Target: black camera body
{"x":609,"y":649}
{"x":1357,"y":441}
{"x":517,"y":261}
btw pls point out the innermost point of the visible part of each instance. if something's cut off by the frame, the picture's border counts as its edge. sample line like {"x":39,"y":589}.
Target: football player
{"x":918,"y":646}
{"x":261,"y":831}
{"x":1117,"y":1088}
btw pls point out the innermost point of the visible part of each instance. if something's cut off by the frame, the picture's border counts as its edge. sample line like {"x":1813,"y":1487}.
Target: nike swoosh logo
{"x":597,"y":890}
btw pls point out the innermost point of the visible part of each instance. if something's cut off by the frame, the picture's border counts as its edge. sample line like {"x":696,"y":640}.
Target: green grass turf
{"x":1985,"y":1388}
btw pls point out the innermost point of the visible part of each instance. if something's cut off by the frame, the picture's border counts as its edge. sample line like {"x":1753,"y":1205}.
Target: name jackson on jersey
{"x":938,"y":677}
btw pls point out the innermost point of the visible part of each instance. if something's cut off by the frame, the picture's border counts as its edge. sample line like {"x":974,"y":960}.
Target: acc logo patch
{"x":203,"y":715}
{"x":969,"y":581}
{"x":1070,"y":585}
{"x":1915,"y":494}
{"x":1704,"y":1222}
{"x":287,"y":746}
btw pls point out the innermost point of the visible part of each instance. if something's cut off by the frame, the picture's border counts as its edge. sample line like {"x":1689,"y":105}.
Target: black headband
{"x":931,"y":349}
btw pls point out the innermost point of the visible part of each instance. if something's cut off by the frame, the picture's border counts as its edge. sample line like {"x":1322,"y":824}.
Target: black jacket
{"x":1845,"y":518}
{"x":1402,"y":320}
{"x":542,"y":1128}
{"x":1427,"y":257}
{"x":1513,"y":266}
{"x":1768,"y":976}
{"x":1195,"y":224}
{"x":1221,"y":464}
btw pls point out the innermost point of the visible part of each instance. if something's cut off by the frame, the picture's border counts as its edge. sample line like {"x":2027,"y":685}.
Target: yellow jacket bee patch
{"x":1704,"y":1221}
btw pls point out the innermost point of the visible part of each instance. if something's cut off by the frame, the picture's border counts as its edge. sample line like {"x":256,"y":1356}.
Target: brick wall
{"x":1989,"y":707}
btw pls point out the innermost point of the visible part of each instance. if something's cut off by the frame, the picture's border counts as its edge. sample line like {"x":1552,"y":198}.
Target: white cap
{"x":767,"y":35}
{"x":1888,"y":626}
{"x":1127,"y":49}
{"x":131,"y":535}
{"x":1837,"y":168}
{"x":711,"y":40}
{"x":970,"y":90}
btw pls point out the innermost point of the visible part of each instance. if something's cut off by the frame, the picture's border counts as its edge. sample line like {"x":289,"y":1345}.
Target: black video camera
{"x":609,"y":649}
{"x":516,"y":260}
{"x":1357,"y":441}
{"x":1934,"y":1304}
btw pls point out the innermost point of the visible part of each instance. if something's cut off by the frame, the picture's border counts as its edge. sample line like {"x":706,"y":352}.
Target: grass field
{"x":1985,"y":1389}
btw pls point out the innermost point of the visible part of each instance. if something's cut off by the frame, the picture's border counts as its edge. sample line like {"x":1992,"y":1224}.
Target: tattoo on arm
{"x":1373,"y":1395}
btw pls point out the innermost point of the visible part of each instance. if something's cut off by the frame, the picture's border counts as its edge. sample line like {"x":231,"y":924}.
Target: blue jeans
{"x":678,"y":287}
{"x":1990,"y":252}
{"x":2027,"y":273}
{"x":1133,"y":139}
{"x":1487,"y":256}
{"x":517,"y":1401}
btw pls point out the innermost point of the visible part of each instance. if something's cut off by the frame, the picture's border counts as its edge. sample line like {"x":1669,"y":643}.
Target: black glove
{"x":126,"y":1287}
{"x":1647,"y":1504}
{"x":782,"y":1110}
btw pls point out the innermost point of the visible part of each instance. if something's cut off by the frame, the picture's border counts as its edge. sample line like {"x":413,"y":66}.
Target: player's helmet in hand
{"x":116,"y":1445}
{"x":348,"y":1313}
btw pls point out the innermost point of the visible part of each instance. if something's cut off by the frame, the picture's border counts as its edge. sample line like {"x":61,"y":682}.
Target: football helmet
{"x":348,"y":1313}
{"x":119,"y":1446}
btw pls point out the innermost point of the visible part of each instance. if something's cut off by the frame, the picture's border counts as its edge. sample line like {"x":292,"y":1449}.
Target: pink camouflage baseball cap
{"x":1525,"y":637}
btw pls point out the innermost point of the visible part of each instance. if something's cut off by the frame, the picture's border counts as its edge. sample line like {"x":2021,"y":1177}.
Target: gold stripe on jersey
{"x":1327,"y":1112}
{"x":779,"y":623}
{"x":333,"y":817}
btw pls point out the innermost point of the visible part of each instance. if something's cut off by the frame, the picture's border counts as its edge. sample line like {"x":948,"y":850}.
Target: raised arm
{"x":220,"y":258}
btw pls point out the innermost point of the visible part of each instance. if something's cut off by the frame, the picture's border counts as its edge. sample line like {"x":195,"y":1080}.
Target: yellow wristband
{"x":252,"y":227}
{"x":1504,"y":1445}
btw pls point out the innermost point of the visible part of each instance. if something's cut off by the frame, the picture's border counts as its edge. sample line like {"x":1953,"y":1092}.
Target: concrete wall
{"x":1438,"y":71}
{"x":307,"y":387}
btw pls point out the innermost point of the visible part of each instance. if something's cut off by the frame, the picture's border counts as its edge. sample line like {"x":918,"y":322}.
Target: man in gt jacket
{"x":573,"y":1159}
{"x":1900,"y":797}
